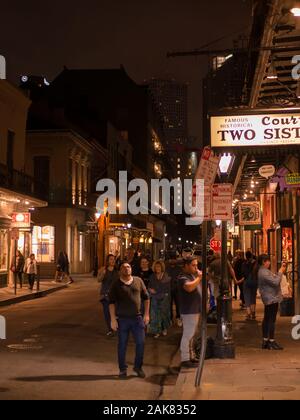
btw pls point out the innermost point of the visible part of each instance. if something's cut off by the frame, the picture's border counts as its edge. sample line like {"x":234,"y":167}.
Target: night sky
{"x":40,"y":37}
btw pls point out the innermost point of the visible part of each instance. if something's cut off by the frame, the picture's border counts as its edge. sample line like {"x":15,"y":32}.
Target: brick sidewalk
{"x":254,"y":374}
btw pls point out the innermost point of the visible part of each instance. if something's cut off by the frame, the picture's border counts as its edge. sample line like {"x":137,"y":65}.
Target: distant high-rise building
{"x":171,"y":98}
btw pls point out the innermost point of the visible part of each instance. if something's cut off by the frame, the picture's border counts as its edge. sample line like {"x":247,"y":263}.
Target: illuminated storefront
{"x":43,"y":243}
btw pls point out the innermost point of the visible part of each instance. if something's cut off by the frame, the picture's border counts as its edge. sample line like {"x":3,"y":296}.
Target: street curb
{"x":33,"y":296}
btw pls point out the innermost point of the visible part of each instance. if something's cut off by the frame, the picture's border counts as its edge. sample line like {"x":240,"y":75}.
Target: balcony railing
{"x":64,"y":197}
{"x":16,"y":181}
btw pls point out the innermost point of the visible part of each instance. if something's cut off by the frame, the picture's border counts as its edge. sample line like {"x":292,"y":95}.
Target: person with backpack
{"x":250,"y":285}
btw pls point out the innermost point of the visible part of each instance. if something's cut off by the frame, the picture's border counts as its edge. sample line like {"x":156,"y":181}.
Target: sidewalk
{"x":8,"y":297}
{"x":254,"y":374}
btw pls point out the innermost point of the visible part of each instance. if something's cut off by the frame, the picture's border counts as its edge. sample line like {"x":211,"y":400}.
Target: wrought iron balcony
{"x":16,"y":181}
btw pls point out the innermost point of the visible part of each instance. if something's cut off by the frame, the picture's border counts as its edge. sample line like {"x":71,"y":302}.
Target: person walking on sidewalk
{"x":270,"y":289}
{"x":238,"y":269}
{"x":145,"y":271}
{"x":131,"y":257}
{"x":190,"y":308}
{"x":31,"y":270}
{"x":63,"y":266}
{"x":250,"y":285}
{"x":17,"y":267}
{"x":160,"y":290}
{"x":107,"y":276}
{"x":173,"y":270}
{"x":125,"y":297}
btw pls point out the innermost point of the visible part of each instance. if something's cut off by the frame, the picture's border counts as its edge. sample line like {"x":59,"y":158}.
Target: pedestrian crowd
{"x":143,"y":297}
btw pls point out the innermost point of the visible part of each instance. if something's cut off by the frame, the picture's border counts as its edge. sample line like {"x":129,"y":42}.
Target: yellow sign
{"x":255,"y":130}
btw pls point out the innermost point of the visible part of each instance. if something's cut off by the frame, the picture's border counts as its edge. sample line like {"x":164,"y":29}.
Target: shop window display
{"x":3,"y":251}
{"x":43,"y":243}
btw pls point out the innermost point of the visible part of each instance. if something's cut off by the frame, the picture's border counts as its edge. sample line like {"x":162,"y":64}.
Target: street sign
{"x":215,"y":245}
{"x":15,"y":235}
{"x":208,"y":167}
{"x":222,"y":197}
{"x":204,"y":201}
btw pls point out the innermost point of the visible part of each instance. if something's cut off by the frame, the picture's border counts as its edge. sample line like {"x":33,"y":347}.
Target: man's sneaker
{"x":140,"y":373}
{"x":189,"y":364}
{"x":123,"y":374}
{"x":165,"y":333}
{"x":274,"y":346}
{"x":265,"y":345}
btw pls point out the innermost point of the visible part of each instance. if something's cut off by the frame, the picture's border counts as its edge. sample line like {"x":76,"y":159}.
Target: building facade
{"x":18,"y":197}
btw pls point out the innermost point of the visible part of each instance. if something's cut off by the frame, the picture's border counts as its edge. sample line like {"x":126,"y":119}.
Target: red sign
{"x":215,"y":245}
{"x":20,"y":220}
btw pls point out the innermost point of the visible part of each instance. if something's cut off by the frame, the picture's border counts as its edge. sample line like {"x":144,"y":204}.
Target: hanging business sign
{"x":249,"y":213}
{"x":21,"y":220}
{"x":267,"y":171}
{"x":255,"y":130}
{"x":293,"y":180}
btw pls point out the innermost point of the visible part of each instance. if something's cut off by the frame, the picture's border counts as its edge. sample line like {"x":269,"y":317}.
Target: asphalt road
{"x":56,"y":348}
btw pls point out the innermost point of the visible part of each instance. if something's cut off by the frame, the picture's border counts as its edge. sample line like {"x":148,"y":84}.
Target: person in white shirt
{"x":31,"y":270}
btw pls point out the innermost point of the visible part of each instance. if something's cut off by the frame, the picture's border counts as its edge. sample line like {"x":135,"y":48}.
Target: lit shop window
{"x":3,"y":250}
{"x":43,"y":243}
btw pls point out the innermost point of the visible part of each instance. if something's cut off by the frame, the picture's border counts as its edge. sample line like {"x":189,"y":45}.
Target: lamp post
{"x":224,"y":347}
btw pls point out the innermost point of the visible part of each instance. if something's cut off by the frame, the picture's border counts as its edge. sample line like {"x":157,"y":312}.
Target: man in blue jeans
{"x":126,"y":296}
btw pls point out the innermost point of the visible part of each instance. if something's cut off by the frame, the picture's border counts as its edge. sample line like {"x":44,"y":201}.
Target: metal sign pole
{"x":204,"y":308}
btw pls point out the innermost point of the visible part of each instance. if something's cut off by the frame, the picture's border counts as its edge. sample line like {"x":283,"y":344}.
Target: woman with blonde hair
{"x":160,"y":291}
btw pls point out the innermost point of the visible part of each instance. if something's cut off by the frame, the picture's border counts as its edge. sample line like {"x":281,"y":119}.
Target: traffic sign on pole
{"x":208,"y":166}
{"x":215,"y":245}
{"x":222,"y":197}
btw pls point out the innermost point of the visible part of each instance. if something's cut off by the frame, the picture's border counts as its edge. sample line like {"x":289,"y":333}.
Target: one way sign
{"x":222,"y":197}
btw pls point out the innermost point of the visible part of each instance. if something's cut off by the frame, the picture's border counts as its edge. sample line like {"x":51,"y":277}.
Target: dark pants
{"x":137,"y":327}
{"x":242,"y":297}
{"x":175,"y":301}
{"x":31,"y":280}
{"x":269,"y":321}
{"x":19,"y":276}
{"x":105,"y":304}
{"x":250,"y":294}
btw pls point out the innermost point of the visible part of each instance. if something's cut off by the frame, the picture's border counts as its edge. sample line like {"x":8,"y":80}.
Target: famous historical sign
{"x":255,"y":130}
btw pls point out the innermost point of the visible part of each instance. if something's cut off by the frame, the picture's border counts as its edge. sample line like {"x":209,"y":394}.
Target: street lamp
{"x":296,"y":9}
{"x":224,"y":346}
